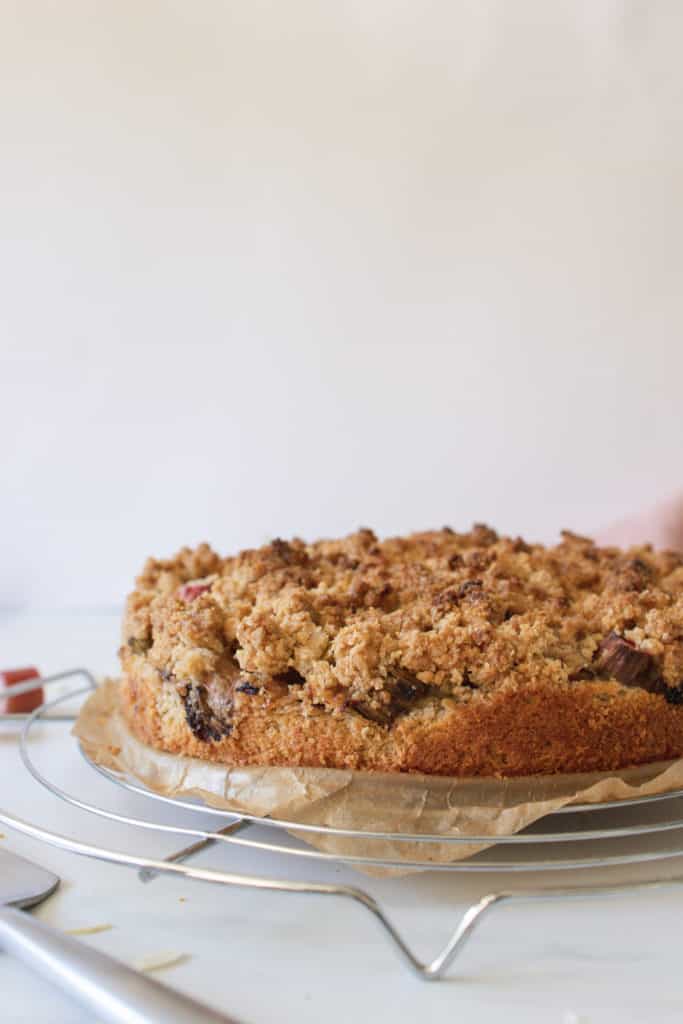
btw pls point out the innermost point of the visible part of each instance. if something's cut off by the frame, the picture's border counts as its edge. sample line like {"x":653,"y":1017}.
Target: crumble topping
{"x":386,"y":628}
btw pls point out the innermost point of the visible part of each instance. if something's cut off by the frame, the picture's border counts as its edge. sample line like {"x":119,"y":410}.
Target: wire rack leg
{"x":428,"y":971}
{"x":147,"y":875}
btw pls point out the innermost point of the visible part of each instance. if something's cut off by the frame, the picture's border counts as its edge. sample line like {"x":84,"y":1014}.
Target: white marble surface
{"x":268,"y":958}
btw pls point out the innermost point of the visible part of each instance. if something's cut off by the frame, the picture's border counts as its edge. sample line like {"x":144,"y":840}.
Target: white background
{"x":276,"y":268}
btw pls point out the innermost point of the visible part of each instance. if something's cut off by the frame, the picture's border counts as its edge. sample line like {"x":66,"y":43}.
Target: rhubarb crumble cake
{"x":463,"y":654}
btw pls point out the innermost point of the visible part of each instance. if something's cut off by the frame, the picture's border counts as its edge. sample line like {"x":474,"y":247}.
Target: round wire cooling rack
{"x":654,"y":823}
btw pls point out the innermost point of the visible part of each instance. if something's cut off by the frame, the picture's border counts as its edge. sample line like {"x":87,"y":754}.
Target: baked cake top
{"x":378,"y":627}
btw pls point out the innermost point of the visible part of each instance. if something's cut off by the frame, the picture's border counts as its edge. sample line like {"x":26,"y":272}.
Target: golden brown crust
{"x":443,"y":653}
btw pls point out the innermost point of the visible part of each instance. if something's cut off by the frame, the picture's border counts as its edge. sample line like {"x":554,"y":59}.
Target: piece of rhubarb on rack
{"x":22,"y":692}
{"x":17,"y":699}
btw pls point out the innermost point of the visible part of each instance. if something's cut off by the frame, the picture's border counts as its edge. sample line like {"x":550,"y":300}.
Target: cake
{"x":462,"y":654}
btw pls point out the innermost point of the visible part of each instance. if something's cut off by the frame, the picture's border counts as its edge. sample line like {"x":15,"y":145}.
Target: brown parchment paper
{"x":370,"y":801}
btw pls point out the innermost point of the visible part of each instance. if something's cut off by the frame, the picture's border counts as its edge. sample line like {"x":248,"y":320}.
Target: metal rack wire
{"x":232,"y":824}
